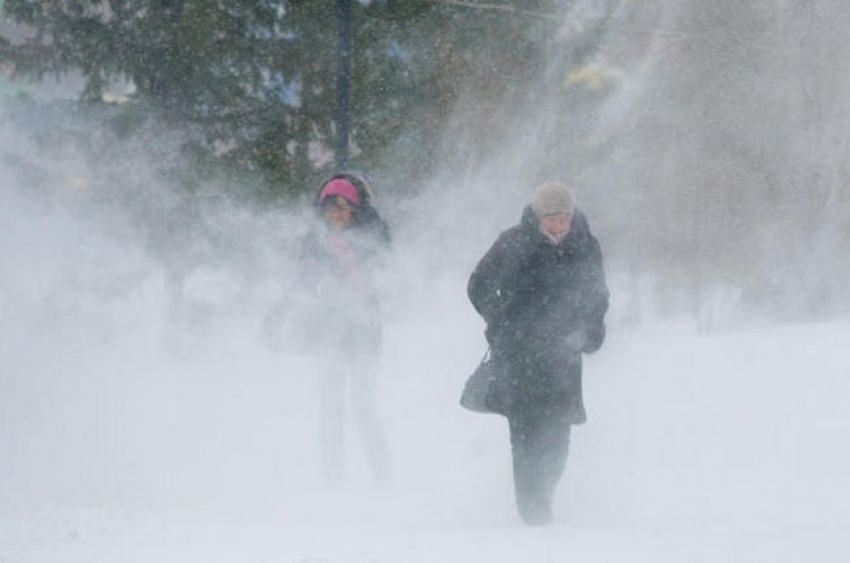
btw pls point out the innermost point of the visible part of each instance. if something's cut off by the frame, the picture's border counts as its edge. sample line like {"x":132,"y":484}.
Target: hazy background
{"x":706,"y":144}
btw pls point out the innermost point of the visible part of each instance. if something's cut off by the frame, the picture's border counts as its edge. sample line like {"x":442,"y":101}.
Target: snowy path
{"x":723,"y":448}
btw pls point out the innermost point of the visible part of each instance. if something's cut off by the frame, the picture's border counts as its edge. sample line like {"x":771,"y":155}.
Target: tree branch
{"x":497,"y":7}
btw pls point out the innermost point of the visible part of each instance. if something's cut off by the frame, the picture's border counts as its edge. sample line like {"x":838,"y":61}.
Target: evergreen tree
{"x":251,"y":84}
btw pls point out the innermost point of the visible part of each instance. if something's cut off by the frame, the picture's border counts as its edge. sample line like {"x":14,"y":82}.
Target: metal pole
{"x":343,"y":82}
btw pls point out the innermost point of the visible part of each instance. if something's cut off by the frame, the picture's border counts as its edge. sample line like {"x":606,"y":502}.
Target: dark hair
{"x":363,"y":213}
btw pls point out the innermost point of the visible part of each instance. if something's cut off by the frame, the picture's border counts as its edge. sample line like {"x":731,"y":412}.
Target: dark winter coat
{"x":544,"y":306}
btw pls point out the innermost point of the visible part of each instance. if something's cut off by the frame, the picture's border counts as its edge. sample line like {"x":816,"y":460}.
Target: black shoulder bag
{"x":484,"y":390}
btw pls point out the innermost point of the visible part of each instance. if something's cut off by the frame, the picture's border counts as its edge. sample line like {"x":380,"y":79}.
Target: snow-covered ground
{"x":726,"y":447}
{"x":129,"y":433}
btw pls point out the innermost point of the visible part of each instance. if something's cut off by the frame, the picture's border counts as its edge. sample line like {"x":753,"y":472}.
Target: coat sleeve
{"x":377,"y":241}
{"x":595,"y":299}
{"x":487,"y":288}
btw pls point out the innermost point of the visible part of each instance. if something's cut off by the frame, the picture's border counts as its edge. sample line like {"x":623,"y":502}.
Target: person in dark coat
{"x":339,"y":262}
{"x":541,"y":291}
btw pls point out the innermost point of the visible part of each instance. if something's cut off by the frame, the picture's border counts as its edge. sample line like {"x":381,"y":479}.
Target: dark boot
{"x":535,"y":510}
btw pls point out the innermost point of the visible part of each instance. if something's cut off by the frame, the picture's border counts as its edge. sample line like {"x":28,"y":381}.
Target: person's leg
{"x":364,"y":376}
{"x":554,"y":448}
{"x":528,"y":482}
{"x":332,"y":422}
{"x":539,"y":444}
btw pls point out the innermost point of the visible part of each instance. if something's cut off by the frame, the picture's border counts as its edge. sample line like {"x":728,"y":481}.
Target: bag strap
{"x":487,"y":355}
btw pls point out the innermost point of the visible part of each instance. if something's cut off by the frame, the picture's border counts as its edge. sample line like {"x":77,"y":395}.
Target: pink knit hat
{"x":341,"y":187}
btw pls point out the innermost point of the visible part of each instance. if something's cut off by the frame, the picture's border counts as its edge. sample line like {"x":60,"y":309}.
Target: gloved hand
{"x":586,"y":340}
{"x":594,"y":337}
{"x":576,"y":340}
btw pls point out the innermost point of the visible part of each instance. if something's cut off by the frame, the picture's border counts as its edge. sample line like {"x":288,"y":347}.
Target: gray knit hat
{"x":553,"y":198}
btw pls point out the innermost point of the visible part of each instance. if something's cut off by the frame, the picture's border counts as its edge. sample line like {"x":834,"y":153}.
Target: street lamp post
{"x":343,"y":82}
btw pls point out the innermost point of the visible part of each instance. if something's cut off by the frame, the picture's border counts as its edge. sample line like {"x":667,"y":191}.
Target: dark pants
{"x":540,"y":439}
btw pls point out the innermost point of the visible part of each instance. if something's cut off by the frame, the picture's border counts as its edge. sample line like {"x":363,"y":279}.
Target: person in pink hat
{"x":340,"y":261}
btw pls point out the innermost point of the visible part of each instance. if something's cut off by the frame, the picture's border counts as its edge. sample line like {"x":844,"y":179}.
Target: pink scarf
{"x":343,"y":253}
